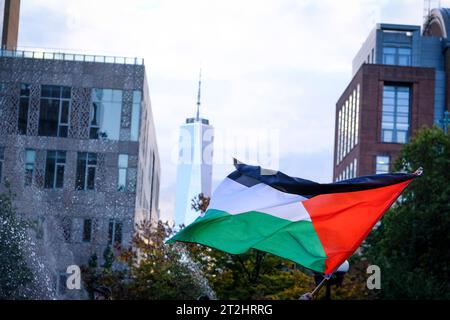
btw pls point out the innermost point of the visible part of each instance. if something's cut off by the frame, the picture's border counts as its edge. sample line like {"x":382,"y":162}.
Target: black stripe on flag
{"x":251,"y":175}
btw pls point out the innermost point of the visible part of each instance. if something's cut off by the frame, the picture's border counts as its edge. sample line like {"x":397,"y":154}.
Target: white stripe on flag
{"x":235,"y":198}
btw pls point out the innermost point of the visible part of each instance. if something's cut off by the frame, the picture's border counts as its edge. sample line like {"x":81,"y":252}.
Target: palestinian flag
{"x":316,"y":225}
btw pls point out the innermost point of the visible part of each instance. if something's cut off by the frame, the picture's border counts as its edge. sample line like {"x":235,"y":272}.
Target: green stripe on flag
{"x":235,"y":234}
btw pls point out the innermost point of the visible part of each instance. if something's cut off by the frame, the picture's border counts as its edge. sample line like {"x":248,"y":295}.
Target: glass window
{"x":106,"y":111}
{"x":40,"y":228}
{"x":54,"y":111}
{"x":395,"y":114}
{"x":402,"y":137}
{"x":152,"y":196}
{"x":66,"y":225}
{"x":54,"y":169}
{"x":62,"y":283}
{"x":382,"y":164}
{"x":389,"y":54}
{"x":353,"y":99}
{"x":350,"y":170}
{"x":87,"y":230}
{"x":86,"y":168}
{"x":345,"y":129}
{"x":357,"y":116}
{"x":344,"y":126}
{"x":135,"y":115}
{"x":397,"y":56}
{"x":338,"y":148}
{"x":123,"y":166}
{"x":348,"y":125}
{"x":30,"y":160}
{"x":2,"y":160}
{"x":404,"y":56}
{"x":115,"y":232}
{"x":24,"y":103}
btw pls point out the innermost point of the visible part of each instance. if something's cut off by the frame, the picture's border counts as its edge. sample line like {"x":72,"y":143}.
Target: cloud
{"x":267,"y":64}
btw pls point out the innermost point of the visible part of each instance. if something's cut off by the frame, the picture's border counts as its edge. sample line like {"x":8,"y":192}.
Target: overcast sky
{"x":268,"y":66}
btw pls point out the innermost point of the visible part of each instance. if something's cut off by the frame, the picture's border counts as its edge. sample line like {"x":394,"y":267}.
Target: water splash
{"x":200,"y":277}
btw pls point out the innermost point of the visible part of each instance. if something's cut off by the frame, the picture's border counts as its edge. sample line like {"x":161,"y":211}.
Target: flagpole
{"x":319,"y":286}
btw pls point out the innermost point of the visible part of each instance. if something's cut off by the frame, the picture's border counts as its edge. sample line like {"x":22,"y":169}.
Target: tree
{"x":149,"y":269}
{"x":253,"y":275}
{"x":411,"y":246}
{"x":16,"y":278}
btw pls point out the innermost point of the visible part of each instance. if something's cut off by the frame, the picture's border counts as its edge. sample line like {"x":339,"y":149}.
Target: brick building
{"x":9,"y":23}
{"x":398,"y":86}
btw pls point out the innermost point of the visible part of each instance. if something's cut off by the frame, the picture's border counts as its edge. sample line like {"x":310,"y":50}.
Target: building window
{"x":157,"y":193}
{"x":152,"y":195}
{"x":348,"y":125}
{"x":54,"y":111}
{"x":389,"y":55}
{"x":344,"y":129}
{"x":338,"y":149}
{"x":115,"y":232}
{"x":24,"y":103}
{"x":66,"y":228}
{"x":397,"y":56}
{"x":357,"y":116}
{"x":382,"y":164}
{"x":135,"y":115}
{"x":395,"y":114}
{"x":40,"y":228}
{"x":123,"y":168}
{"x":404,"y":56}
{"x":87,"y":230}
{"x":86,"y":167}
{"x":352,"y":119}
{"x":54,"y":169}
{"x":61,"y":283}
{"x":106,"y":110}
{"x":30,"y":161}
{"x":2,"y":161}
{"x":350,"y":170}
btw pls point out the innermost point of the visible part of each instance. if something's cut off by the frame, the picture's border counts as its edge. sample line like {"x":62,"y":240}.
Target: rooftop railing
{"x":49,"y":55}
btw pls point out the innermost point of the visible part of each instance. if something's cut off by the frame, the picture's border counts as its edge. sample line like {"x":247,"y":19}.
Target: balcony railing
{"x":48,"y":55}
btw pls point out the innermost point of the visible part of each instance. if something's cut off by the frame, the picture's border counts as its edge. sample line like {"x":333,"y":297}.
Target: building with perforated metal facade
{"x":78,"y":148}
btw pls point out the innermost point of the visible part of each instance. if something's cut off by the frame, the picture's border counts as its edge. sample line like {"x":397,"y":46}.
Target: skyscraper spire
{"x":194,"y":168}
{"x":198,"y":95}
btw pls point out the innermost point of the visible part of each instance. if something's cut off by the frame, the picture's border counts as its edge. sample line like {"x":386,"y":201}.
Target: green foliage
{"x":108,"y":258}
{"x":91,"y":275}
{"x":412,"y":244}
{"x":149,"y":270}
{"x":259,"y":275}
{"x":15,"y":275}
{"x":253,"y":275}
